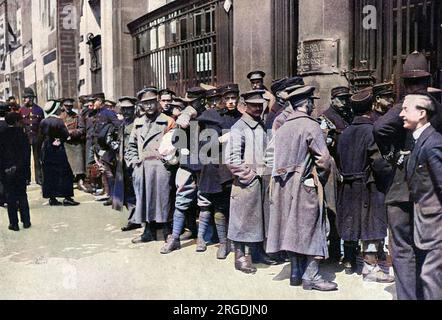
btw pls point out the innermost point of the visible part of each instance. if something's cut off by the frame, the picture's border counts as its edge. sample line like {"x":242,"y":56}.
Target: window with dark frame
{"x":177,"y":46}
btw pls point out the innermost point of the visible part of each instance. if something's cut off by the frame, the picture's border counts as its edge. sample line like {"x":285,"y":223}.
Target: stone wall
{"x":320,"y":19}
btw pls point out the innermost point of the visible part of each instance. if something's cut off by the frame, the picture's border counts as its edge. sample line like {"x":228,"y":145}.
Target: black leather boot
{"x":145,"y":237}
{"x":53,"y":202}
{"x":350,"y":255}
{"x":260,"y":256}
{"x":296,"y":270}
{"x":131,"y":226}
{"x":243,"y":263}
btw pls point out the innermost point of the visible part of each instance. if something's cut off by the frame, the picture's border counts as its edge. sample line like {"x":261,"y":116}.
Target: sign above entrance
{"x":318,"y":56}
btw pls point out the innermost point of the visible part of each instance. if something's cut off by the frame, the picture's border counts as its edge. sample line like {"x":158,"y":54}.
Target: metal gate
{"x":183,"y":44}
{"x":403,"y":26}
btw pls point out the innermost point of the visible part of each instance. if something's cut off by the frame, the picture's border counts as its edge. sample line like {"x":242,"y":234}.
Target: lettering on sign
{"x":319,"y":56}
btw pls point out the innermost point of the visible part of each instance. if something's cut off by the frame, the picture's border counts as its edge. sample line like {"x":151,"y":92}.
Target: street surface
{"x":80,"y":253}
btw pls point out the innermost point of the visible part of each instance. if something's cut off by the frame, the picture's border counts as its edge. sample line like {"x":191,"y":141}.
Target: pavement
{"x":80,"y":253}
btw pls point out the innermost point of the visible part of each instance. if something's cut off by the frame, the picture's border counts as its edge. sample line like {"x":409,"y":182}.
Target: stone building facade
{"x":322,"y":40}
{"x":119,"y":46}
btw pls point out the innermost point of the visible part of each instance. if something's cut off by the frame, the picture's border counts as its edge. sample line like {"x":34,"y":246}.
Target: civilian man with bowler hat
{"x":396,"y":143}
{"x":300,"y":162}
{"x":32,"y":116}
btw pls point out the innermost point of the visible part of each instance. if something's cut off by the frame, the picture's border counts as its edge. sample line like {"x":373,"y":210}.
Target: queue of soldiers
{"x":255,"y":172}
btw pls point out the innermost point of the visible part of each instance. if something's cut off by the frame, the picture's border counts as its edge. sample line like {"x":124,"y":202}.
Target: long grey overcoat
{"x":301,"y":165}
{"x":249,"y":204}
{"x":152,"y":181}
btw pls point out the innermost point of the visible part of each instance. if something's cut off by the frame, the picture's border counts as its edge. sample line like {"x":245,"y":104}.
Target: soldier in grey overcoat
{"x":151,"y":179}
{"x":249,"y":204}
{"x":301,"y":165}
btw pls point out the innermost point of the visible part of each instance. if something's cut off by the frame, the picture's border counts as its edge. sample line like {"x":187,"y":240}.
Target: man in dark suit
{"x":395,"y":144}
{"x":424,"y":177}
{"x":15,"y":171}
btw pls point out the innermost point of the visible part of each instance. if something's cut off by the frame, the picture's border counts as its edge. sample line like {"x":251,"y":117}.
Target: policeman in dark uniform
{"x":396,"y":143}
{"x":333,"y":122}
{"x":383,"y":95}
{"x":32,"y":116}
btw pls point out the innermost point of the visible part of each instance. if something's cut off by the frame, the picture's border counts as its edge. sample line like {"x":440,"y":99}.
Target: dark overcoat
{"x":249,"y":204}
{"x":215,"y":175}
{"x":15,"y":150}
{"x":301,"y":165}
{"x":123,"y":193}
{"x":362,"y":214}
{"x":151,"y":179}
{"x":58,"y":179}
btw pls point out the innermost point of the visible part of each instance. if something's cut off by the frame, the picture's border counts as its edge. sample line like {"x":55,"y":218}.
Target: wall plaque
{"x":318,"y":56}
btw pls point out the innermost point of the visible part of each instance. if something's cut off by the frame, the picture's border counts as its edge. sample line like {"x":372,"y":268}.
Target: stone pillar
{"x":252,"y":40}
{"x":118,"y":78}
{"x":324,"y":19}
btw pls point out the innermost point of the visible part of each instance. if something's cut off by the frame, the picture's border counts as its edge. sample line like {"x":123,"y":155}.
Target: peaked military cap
{"x":298,"y":93}
{"x":256,"y":75}
{"x":383,"y":89}
{"x":148,"y":94}
{"x":177,"y":102}
{"x":282,"y":84}
{"x":194,"y":93}
{"x":255,"y":96}
{"x":127,"y":102}
{"x":416,"y":66}
{"x":340,"y":92}
{"x":230,"y":88}
{"x":212,"y":93}
{"x":362,"y":101}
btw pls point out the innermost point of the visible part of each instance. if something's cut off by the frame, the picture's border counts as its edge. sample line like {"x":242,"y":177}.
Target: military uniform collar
{"x":161,"y":119}
{"x":250,"y":121}
{"x":298,"y":114}
{"x":362,"y":120}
